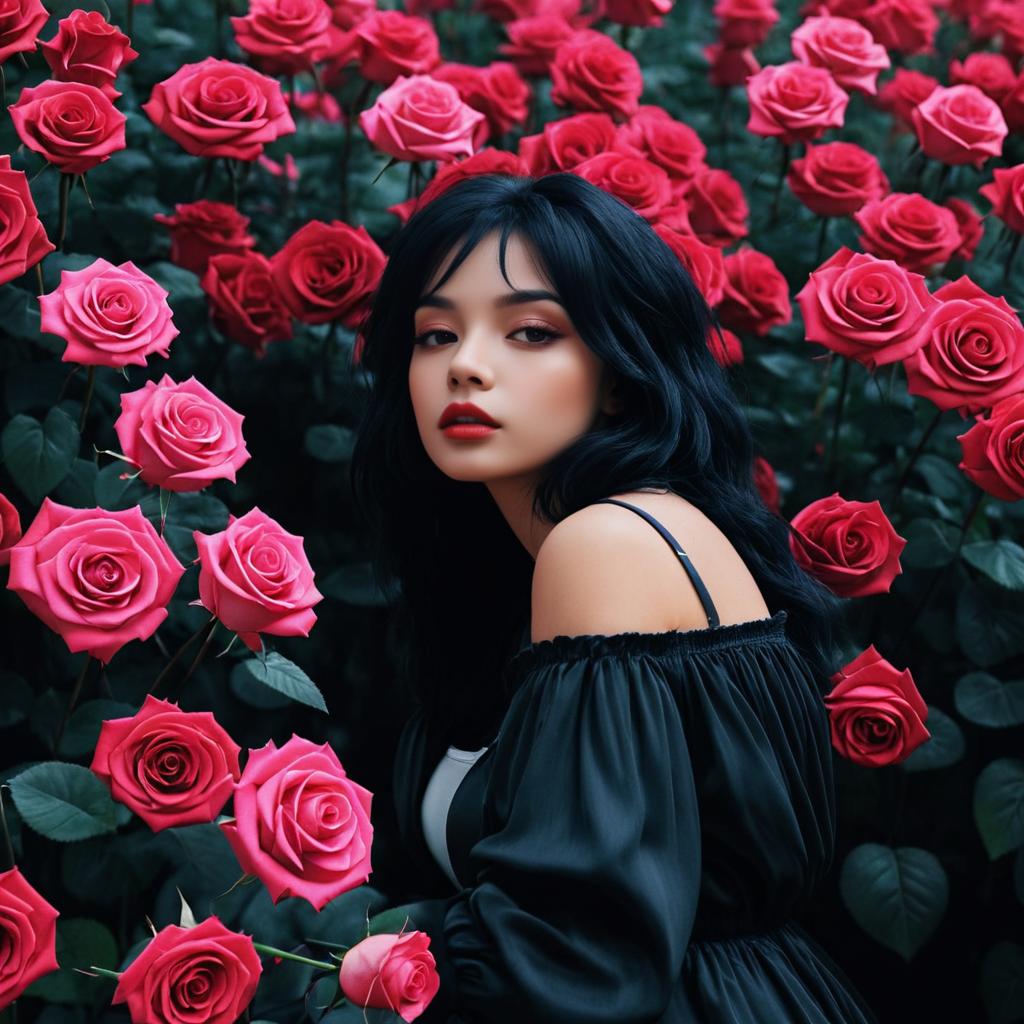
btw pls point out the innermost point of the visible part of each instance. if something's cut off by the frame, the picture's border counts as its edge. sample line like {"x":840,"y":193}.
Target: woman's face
{"x":517,"y":357}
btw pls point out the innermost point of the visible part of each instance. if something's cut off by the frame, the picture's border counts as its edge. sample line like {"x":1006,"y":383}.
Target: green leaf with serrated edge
{"x":1002,"y":561}
{"x":945,"y":746}
{"x":985,"y":700}
{"x":40,"y":455}
{"x":931,"y":544}
{"x":285,"y":677}
{"x":999,"y":805}
{"x":897,"y":895}
{"x":64,"y":802}
{"x":1002,"y":982}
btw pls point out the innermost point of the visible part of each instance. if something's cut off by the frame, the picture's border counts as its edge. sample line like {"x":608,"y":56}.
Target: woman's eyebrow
{"x":515,"y":298}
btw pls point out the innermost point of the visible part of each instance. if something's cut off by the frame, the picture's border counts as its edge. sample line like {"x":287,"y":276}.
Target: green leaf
{"x":40,"y":455}
{"x":897,"y":895}
{"x":985,"y":700}
{"x":83,"y":728}
{"x":986,"y":633}
{"x":328,"y":442}
{"x":285,"y":677}
{"x":1002,"y":982}
{"x":931,"y":544}
{"x":945,"y":747}
{"x":999,"y":805}
{"x":115,"y":494}
{"x":240,"y":684}
{"x":78,"y":488}
{"x":81,"y":942}
{"x":942,"y":477}
{"x":64,"y":802}
{"x":1001,"y":561}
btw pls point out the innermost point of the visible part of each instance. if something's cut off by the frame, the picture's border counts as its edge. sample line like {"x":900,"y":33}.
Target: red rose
{"x":973,"y":353}
{"x":756,"y":295}
{"x":181,"y":436}
{"x":718,"y":208}
{"x":301,"y":825}
{"x":992,"y":73}
{"x":744,"y":22}
{"x":876,"y":715}
{"x":843,"y":47}
{"x":73,"y":125}
{"x":993,"y":450}
{"x":904,"y":91}
{"x":703,"y":262}
{"x":971,"y":227}
{"x":87,"y":48}
{"x":513,"y":10}
{"x":1006,"y":194}
{"x":497,"y":91}
{"x":646,"y":13}
{"x":1002,"y":18}
{"x":534,"y":41}
{"x":203,"y":229}
{"x":959,"y":125}
{"x":347,"y":14}
{"x":20,"y":22}
{"x":907,"y":228}
{"x":794,"y":102}
{"x":328,"y":272}
{"x":421,"y":118}
{"x":10,"y":529}
{"x":836,"y":179}
{"x":592,"y":72}
{"x":109,"y":315}
{"x":730,"y":65}
{"x":219,"y":108}
{"x":907,"y":26}
{"x":1012,"y":106}
{"x":392,"y":43}
{"x":99,"y":579}
{"x":244,"y":301}
{"x":676,"y":217}
{"x":634,"y":180}
{"x":286,"y":36}
{"x":864,"y":308}
{"x":766,"y":483}
{"x":725,"y":347}
{"x":391,"y":972}
{"x":28,"y":935}
{"x":205,"y":975}
{"x":170,"y":767}
{"x":567,"y":142}
{"x":486,"y":161}
{"x":23,"y":241}
{"x":850,"y":546}
{"x":671,"y":144}
{"x":255,"y":577}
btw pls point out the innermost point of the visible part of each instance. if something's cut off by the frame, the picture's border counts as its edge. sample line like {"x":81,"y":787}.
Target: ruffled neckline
{"x":674,"y":641}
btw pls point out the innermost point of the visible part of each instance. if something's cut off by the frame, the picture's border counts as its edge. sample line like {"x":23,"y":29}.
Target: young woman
{"x":616,"y":791}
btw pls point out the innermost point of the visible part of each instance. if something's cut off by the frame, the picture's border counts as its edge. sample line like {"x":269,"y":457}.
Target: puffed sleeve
{"x":585,"y":881}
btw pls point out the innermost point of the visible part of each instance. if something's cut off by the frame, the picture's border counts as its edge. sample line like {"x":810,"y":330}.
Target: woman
{"x":616,"y":791}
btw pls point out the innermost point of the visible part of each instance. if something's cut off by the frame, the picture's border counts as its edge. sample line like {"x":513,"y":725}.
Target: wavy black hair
{"x":463,"y":578}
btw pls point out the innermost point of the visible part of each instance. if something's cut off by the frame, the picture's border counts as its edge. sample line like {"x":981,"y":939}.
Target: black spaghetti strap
{"x":702,"y":591}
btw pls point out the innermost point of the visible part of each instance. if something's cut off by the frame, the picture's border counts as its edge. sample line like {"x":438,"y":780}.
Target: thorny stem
{"x":178,"y":653}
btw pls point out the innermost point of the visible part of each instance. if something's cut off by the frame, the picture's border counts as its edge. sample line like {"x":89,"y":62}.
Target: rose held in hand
{"x":392,"y":972}
{"x":254,"y":576}
{"x":302,"y":826}
{"x":170,"y":767}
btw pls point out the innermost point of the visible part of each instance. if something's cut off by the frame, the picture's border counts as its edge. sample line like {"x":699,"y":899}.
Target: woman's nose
{"x":471,"y":359}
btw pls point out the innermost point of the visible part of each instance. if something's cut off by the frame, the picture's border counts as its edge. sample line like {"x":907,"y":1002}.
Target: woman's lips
{"x":467,"y":431}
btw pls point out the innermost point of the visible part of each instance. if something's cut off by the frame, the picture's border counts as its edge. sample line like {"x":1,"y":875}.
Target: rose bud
{"x":391,"y":972}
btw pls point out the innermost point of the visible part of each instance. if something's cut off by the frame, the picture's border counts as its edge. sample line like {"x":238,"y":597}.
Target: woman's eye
{"x":421,"y":339}
{"x":535,"y":336}
{"x":541,"y":335}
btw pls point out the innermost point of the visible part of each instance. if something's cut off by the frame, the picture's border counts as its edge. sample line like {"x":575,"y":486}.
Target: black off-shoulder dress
{"x":635,"y":843}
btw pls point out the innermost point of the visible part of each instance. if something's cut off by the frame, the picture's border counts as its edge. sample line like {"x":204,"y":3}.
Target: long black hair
{"x":463,"y":578}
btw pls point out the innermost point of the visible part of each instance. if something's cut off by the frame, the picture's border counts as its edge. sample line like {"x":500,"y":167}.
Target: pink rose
{"x":420,"y":118}
{"x":302,"y":826}
{"x":992,"y":73}
{"x":836,"y":179}
{"x":168,"y":766}
{"x":285,"y":36}
{"x":100,"y":579}
{"x":993,"y":450}
{"x":904,"y":91}
{"x":20,"y":22}
{"x":181,"y":436}
{"x":907,"y":26}
{"x":23,"y":241}
{"x":87,"y":48}
{"x":844,"y":47}
{"x":109,"y":316}
{"x":28,"y":935}
{"x":905,"y":227}
{"x":1006,"y":194}
{"x":960,"y":125}
{"x":391,"y":972}
{"x":10,"y":528}
{"x":393,"y":44}
{"x":254,"y":576}
{"x":794,"y":102}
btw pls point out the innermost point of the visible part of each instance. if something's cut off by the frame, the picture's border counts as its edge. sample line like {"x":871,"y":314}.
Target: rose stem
{"x":1009,"y":259}
{"x":3,"y":87}
{"x":204,"y":181}
{"x":8,"y":846}
{"x":199,"y":657}
{"x":65,"y":193}
{"x":90,"y":380}
{"x":271,"y":951}
{"x":833,"y":460}
{"x":346,"y":143}
{"x":941,"y":571}
{"x":822,"y":240}
{"x":39,"y":276}
{"x":67,"y":381}
{"x":783,"y":167}
{"x":75,"y":693}
{"x":905,"y":475}
{"x":230,"y":168}
{"x":177,"y":654}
